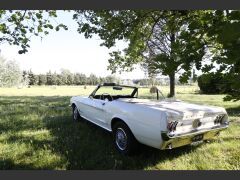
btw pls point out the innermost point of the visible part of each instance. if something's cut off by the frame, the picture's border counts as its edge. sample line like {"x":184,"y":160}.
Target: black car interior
{"x":111,"y":98}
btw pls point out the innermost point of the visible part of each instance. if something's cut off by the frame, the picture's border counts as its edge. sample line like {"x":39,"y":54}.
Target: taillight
{"x":219,"y":119}
{"x":171,"y":126}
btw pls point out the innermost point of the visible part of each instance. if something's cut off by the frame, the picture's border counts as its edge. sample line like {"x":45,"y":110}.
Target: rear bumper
{"x":170,"y":142}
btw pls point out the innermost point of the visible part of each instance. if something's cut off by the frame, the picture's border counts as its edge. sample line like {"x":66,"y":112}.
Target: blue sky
{"x":66,"y":49}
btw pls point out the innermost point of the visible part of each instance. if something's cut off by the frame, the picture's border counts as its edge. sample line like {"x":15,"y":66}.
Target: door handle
{"x":103,"y":104}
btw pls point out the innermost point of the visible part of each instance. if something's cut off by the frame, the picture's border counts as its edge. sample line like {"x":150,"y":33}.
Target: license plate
{"x":197,"y":138}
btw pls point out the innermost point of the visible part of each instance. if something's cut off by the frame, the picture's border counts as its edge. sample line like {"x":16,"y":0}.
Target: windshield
{"x":120,"y":91}
{"x":115,"y":90}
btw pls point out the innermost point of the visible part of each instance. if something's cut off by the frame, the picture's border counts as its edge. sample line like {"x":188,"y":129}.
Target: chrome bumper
{"x":178,"y":140}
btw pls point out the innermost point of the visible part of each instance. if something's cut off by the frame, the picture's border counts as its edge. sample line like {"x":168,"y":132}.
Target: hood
{"x":178,"y":109}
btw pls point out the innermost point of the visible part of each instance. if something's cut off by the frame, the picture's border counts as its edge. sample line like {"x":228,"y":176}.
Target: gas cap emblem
{"x":196,"y":123}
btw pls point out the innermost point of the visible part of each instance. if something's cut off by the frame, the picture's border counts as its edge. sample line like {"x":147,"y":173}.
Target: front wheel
{"x":75,"y":114}
{"x":123,"y":138}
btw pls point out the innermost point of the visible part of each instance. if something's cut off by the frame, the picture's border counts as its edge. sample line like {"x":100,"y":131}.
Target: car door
{"x":95,"y":111}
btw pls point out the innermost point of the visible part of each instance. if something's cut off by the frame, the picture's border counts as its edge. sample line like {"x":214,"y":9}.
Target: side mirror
{"x":90,"y":97}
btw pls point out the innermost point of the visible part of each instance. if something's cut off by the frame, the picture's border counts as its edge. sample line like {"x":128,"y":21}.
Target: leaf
{"x":40,"y":29}
{"x":57,"y":28}
{"x":39,"y":15}
{"x":50,"y":26}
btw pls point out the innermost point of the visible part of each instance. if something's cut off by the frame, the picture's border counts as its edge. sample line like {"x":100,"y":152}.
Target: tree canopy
{"x":166,"y":41}
{"x":169,"y":41}
{"x":225,"y":30}
{"x":17,"y":27}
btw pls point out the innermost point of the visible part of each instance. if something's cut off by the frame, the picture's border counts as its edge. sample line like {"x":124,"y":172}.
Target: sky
{"x":67,"y":50}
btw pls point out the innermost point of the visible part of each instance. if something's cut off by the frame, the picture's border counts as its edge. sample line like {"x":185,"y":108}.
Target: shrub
{"x":213,"y":83}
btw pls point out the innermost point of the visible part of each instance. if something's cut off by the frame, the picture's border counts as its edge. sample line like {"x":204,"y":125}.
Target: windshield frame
{"x":134,"y":92}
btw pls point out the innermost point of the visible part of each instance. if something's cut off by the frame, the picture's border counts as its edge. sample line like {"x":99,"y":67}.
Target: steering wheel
{"x":108,"y":96}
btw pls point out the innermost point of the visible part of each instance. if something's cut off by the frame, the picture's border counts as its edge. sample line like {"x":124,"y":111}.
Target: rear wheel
{"x":123,"y":138}
{"x":75,"y":114}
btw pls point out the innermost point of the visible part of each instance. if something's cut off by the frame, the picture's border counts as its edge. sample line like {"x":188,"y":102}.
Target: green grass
{"x":36,"y":132}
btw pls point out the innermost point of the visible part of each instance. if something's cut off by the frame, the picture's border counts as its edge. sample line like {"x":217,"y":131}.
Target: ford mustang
{"x":161,"y":123}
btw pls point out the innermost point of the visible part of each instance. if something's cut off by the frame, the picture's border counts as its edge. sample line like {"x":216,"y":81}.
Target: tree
{"x":149,"y":72}
{"x":70,"y":79}
{"x":213,"y":83}
{"x":83,"y":79}
{"x":93,"y":79}
{"x":42,"y":79}
{"x":50,"y":78}
{"x":54,"y":78}
{"x":102,"y":80}
{"x":166,"y":40}
{"x":59,"y":80}
{"x":25,"y":79}
{"x":143,"y":82}
{"x":112,"y":79}
{"x":67,"y":77}
{"x":16,"y":27}
{"x":10,"y":73}
{"x":224,"y":29}
{"x":76,"y":79}
{"x":33,"y":80}
{"x":194,"y":76}
{"x":79,"y":79}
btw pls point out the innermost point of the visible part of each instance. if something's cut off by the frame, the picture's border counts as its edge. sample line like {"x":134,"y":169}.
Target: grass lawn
{"x":36,"y":132}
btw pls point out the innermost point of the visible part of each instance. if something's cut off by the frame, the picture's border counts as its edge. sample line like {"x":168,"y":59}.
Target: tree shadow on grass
{"x":87,"y":146}
{"x":9,"y":164}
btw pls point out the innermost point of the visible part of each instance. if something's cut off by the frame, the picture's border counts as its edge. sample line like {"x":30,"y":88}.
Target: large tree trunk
{"x":172,"y":84}
{"x":172,"y":74}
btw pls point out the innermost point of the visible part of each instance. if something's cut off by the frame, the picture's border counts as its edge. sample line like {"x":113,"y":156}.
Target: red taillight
{"x":172,"y":125}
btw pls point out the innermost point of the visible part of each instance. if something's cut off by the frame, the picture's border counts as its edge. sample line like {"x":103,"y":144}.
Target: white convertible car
{"x":162,"y":123}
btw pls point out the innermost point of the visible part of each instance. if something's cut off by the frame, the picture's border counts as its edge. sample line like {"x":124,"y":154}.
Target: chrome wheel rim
{"x":75,"y":113}
{"x":121,"y":139}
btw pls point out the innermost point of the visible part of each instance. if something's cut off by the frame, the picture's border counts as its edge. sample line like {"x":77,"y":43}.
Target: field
{"x":36,"y":132}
